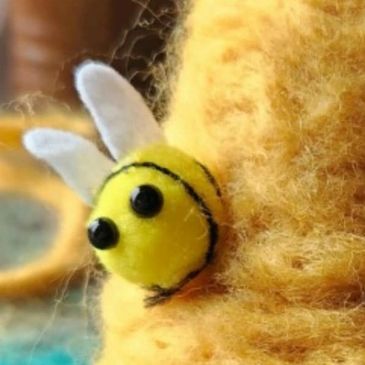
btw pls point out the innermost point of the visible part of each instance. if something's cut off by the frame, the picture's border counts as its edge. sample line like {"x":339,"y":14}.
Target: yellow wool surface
{"x":271,"y":96}
{"x":162,"y":250}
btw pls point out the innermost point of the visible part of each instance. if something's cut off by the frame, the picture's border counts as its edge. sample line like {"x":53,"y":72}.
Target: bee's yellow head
{"x":156,"y":213}
{"x":155,"y":218}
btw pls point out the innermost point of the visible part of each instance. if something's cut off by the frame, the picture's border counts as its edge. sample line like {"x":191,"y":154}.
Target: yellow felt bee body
{"x":155,"y":218}
{"x":156,"y":214}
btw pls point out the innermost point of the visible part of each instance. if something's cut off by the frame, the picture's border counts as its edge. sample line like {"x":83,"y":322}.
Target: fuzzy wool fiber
{"x":270,"y":95}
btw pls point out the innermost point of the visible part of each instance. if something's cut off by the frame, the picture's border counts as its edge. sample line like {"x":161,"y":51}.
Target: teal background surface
{"x":48,"y":332}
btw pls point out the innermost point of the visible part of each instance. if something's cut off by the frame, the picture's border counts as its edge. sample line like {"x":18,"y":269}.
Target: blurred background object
{"x":48,"y":38}
{"x":3,"y":5}
{"x":42,"y":236}
{"x":3,"y":59}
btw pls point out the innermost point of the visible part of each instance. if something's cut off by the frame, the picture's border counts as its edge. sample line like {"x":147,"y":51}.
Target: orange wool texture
{"x":271,"y":96}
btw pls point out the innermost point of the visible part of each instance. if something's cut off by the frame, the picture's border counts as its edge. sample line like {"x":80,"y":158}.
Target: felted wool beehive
{"x":271,"y":96}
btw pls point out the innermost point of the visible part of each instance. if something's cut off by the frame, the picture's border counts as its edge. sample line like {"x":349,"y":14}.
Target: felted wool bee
{"x":156,"y":213}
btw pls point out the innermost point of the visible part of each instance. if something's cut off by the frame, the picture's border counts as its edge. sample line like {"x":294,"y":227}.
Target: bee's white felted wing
{"x":119,"y":112}
{"x":77,"y":160}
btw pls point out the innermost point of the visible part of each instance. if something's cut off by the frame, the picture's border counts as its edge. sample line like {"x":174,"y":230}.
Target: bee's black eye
{"x":146,"y":201}
{"x":103,"y":233}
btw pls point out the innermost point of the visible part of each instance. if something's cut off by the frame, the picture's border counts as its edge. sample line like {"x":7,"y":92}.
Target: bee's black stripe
{"x":211,"y":178}
{"x":213,"y":227}
{"x":161,"y":295}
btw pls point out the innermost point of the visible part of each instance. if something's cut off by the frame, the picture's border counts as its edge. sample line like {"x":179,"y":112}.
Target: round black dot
{"x":146,"y":201}
{"x":103,"y":233}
